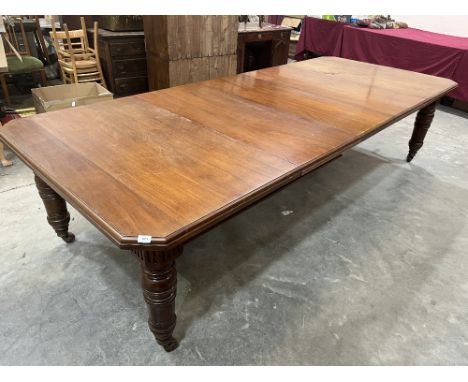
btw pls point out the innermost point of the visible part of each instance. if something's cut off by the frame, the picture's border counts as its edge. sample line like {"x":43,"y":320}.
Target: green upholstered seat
{"x":29,"y":64}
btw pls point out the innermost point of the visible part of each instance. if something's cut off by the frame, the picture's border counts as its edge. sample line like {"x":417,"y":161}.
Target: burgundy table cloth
{"x":320,"y":36}
{"x":411,"y":49}
{"x":461,"y":76}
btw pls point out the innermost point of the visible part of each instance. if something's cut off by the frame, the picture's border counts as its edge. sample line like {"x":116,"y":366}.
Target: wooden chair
{"x":32,"y":24}
{"x":78,"y":62}
{"x":27,"y":64}
{"x":43,"y":52}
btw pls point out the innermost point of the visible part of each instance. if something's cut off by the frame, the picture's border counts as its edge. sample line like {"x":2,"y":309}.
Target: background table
{"x":259,"y":48}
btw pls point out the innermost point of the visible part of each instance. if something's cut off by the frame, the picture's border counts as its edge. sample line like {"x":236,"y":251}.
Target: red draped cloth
{"x":320,"y":36}
{"x":411,"y":49}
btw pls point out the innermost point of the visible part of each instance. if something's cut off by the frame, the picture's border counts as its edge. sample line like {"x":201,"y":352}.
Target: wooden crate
{"x":183,"y":49}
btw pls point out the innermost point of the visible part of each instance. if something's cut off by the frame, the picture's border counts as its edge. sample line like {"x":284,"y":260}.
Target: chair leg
{"x":34,"y":79}
{"x":5,"y":89}
{"x":43,"y":77}
{"x":101,"y":74}
{"x":5,"y":162}
{"x":103,"y":81}
{"x":65,"y":78}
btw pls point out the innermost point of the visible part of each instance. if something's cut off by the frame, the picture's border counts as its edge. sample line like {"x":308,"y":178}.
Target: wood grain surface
{"x":173,"y":163}
{"x":185,"y":49}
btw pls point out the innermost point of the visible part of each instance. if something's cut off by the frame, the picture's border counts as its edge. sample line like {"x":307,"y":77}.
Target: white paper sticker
{"x":73,"y":103}
{"x":144,"y":239}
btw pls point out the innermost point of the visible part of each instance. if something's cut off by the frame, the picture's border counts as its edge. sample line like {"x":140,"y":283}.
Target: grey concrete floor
{"x":362,"y":262}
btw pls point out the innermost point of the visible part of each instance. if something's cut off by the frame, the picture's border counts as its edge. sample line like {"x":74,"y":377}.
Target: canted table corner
{"x":169,"y":165}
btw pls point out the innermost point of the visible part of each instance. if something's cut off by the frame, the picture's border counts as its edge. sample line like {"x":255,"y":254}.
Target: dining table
{"x":155,"y":170}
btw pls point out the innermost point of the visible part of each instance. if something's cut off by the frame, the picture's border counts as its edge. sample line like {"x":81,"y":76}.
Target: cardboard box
{"x":291,"y":22}
{"x":58,"y":97}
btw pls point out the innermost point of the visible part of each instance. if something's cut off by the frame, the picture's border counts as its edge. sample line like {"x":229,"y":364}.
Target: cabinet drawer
{"x":131,"y":85}
{"x":264,"y":36}
{"x":129,"y":66}
{"x":127,"y":48}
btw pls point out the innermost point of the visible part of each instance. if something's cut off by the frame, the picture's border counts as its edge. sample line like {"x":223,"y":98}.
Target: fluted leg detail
{"x":56,"y":207}
{"x":159,"y":283}
{"x":421,"y":126}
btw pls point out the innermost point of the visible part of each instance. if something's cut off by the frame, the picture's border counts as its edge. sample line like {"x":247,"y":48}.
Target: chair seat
{"x":85,"y":64}
{"x":29,"y":64}
{"x":81,"y":64}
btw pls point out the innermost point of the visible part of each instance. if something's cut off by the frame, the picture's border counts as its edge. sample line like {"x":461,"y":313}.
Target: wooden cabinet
{"x":123,"y":61}
{"x":259,"y":48}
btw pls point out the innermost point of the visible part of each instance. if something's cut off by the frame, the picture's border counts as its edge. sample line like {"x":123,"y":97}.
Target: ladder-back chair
{"x":78,"y":61}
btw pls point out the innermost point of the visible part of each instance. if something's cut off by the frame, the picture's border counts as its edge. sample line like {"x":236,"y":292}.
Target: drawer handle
{"x":123,"y":86}
{"x":259,"y":35}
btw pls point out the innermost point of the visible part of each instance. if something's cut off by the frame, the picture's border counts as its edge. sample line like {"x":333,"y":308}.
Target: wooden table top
{"x":172,"y":163}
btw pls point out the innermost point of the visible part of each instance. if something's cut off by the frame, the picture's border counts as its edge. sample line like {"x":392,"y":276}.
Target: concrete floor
{"x":363,"y":262}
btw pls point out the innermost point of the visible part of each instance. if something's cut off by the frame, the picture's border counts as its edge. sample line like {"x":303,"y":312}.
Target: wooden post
{"x":184,"y":49}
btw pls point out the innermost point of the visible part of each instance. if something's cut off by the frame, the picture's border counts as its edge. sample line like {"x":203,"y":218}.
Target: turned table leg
{"x":159,"y":283}
{"x":57,"y":214}
{"x":421,"y":126}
